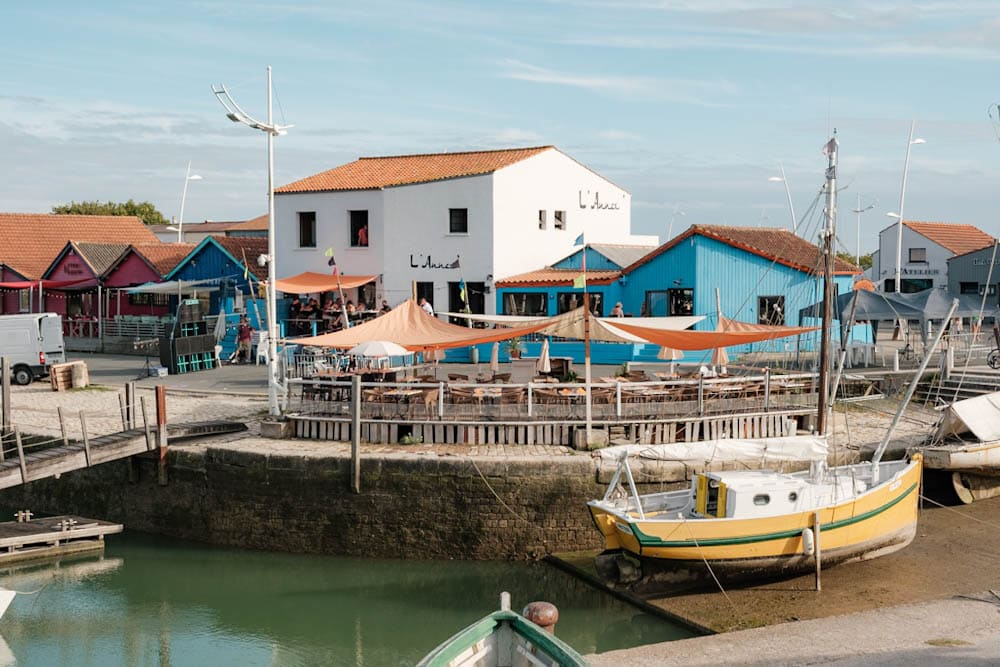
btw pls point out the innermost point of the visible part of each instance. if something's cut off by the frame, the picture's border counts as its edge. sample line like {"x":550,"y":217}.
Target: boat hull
{"x":665,"y":554}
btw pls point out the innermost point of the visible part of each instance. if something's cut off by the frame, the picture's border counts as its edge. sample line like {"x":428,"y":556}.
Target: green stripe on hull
{"x":651,"y":541}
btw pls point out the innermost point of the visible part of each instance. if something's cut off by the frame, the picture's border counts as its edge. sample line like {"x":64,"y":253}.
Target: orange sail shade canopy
{"x":408,"y":325}
{"x":309,"y":281}
{"x":731,"y":332}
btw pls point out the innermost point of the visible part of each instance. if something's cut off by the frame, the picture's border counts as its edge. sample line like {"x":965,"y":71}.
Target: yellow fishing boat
{"x":741,"y":525}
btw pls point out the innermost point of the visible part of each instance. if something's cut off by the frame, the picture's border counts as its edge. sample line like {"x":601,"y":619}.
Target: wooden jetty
{"x":32,"y":538}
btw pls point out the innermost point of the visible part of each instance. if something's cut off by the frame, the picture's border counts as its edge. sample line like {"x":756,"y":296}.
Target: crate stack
{"x":188,"y":346}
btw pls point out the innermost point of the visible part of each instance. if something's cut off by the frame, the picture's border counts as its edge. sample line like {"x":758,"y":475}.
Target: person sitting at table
{"x":617,"y":310}
{"x":294,"y":308}
{"x":350,"y":308}
{"x":362,"y":307}
{"x":385,"y":307}
{"x":328,"y":306}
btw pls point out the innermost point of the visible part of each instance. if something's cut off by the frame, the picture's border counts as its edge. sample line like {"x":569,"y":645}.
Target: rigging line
{"x":718,"y":583}
{"x":992,"y":524}
{"x":506,"y":506}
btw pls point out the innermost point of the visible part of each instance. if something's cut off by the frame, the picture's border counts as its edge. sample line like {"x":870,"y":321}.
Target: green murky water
{"x":152,"y":601}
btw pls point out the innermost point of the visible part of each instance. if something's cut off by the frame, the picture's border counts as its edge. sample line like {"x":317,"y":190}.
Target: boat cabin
{"x":754,"y":493}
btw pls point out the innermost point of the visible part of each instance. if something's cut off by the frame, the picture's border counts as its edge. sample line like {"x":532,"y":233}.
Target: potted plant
{"x":514,"y":347}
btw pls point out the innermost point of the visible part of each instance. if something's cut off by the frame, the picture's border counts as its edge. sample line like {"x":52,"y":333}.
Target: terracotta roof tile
{"x":164,"y":257}
{"x":775,"y":244}
{"x":251,"y":247}
{"x":959,"y":239}
{"x":255,"y":224}
{"x":30,"y":241}
{"x":372,"y":173}
{"x":552,"y":277}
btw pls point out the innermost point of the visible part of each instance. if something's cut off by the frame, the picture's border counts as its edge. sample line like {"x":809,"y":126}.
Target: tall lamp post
{"x":788,"y":194}
{"x":238,"y":115}
{"x":859,"y":211}
{"x":902,"y":199}
{"x":180,"y":222}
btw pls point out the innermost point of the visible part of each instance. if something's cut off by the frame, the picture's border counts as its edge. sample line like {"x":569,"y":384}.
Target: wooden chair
{"x":501,"y":377}
{"x":458,"y":377}
{"x":430,"y":397}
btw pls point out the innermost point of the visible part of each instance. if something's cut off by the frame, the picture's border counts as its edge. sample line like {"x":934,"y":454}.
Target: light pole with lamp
{"x":788,"y":194}
{"x":180,"y":222}
{"x":902,"y":199}
{"x":238,"y":115}
{"x":859,"y":211}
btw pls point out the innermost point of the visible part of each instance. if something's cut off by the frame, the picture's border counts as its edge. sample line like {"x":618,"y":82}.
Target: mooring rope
{"x":495,"y":495}
{"x":961,"y":514}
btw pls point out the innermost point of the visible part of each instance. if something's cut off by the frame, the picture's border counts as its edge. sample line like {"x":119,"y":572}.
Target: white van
{"x":31,"y":343}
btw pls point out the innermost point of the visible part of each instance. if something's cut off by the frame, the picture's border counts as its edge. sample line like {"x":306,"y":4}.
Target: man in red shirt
{"x":244,"y":333}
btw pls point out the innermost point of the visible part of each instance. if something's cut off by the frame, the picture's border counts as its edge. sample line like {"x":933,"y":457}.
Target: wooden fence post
{"x":130,"y":417}
{"x":20,"y":456}
{"x":161,"y":432}
{"x":121,"y":409}
{"x":356,"y":433}
{"x":145,"y":425}
{"x":62,"y":425}
{"x":86,"y":439}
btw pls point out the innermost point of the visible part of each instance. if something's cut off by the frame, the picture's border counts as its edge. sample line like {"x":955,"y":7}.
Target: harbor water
{"x":154,"y":601}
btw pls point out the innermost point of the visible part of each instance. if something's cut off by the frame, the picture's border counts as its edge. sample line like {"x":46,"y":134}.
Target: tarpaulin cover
{"x":309,"y":282}
{"x":175,"y":286}
{"x":410,"y":326}
{"x":979,"y":415}
{"x":731,"y":332}
{"x":929,"y":304}
{"x":787,"y":448}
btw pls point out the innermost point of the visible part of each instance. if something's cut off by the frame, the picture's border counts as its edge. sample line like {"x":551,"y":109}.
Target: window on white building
{"x":359,"y":229}
{"x":458,"y":221}
{"x":307,"y":229}
{"x":560,"y":219}
{"x":918,"y":255}
{"x":541,"y":219}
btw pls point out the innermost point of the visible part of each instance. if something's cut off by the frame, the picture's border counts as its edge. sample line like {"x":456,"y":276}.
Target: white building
{"x":926,"y":248}
{"x":424,"y":222}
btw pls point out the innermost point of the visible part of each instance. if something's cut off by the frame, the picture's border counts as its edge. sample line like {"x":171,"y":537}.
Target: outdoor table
{"x":402,"y":398}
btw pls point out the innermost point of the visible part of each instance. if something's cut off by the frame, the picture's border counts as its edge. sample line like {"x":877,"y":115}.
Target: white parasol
{"x":495,"y":357}
{"x":672,"y":355}
{"x":720,"y":358}
{"x":543,"y":365}
{"x":378,"y":348}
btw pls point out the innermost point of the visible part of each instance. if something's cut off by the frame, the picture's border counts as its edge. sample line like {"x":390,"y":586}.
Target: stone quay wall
{"x":410,"y":506}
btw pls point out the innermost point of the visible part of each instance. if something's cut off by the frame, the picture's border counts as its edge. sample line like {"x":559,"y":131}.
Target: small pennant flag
{"x":461,"y":291}
{"x":578,"y":240}
{"x":580,"y":281}
{"x":456,"y":264}
{"x":830,"y":147}
{"x":332,"y":261}
{"x":246,"y":271}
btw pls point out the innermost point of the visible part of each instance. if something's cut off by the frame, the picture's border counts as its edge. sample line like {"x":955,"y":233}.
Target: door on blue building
{"x":672,"y":302}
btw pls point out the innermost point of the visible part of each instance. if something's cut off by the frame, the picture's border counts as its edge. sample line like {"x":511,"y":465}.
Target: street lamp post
{"x":902,"y":199}
{"x":859,"y":211}
{"x":788,"y":194}
{"x":238,"y":115}
{"x":180,"y":223}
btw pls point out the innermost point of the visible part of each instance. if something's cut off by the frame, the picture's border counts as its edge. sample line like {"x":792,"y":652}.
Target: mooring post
{"x":145,"y":425}
{"x":161,"y":432}
{"x":5,"y":421}
{"x":767,"y":389}
{"x":130,"y":405}
{"x":356,"y":433}
{"x":62,"y":425}
{"x":121,"y":409}
{"x":816,"y":539}
{"x":20,"y":456}
{"x":86,"y":439}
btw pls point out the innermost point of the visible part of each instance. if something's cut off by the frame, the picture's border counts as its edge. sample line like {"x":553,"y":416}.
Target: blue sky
{"x":687,"y":104}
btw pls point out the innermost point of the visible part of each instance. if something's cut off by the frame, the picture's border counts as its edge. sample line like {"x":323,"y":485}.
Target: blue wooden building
{"x":762,"y":275}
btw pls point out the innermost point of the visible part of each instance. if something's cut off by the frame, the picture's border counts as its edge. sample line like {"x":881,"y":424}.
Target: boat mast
{"x":829,"y":289}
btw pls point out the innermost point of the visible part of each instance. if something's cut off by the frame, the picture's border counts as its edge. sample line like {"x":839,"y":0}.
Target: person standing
{"x":617,"y":310}
{"x":244,"y":334}
{"x":426,"y":306}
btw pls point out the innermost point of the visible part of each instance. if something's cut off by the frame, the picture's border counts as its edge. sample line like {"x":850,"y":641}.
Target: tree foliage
{"x":866,"y":260}
{"x":145,"y":211}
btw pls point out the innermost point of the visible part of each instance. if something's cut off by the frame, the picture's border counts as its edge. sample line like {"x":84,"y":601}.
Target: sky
{"x":690,"y":105}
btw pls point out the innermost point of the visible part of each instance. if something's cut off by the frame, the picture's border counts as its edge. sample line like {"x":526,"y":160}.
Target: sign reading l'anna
{"x":586,"y":201}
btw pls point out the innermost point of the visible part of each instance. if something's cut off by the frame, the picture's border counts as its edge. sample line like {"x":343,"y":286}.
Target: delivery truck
{"x":31,"y":343}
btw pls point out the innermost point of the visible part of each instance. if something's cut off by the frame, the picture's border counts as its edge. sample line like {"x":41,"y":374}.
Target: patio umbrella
{"x":720,"y":358}
{"x":220,"y":325}
{"x":495,"y":357}
{"x":672,"y":355}
{"x":543,"y":365}
{"x":378,"y":348}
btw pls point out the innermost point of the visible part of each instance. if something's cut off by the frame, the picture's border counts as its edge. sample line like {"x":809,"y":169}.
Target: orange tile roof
{"x":255,"y":224}
{"x":30,"y":241}
{"x":957,"y":238}
{"x":775,"y":244}
{"x":553,"y":277}
{"x":372,"y":173}
{"x":163,"y":257}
